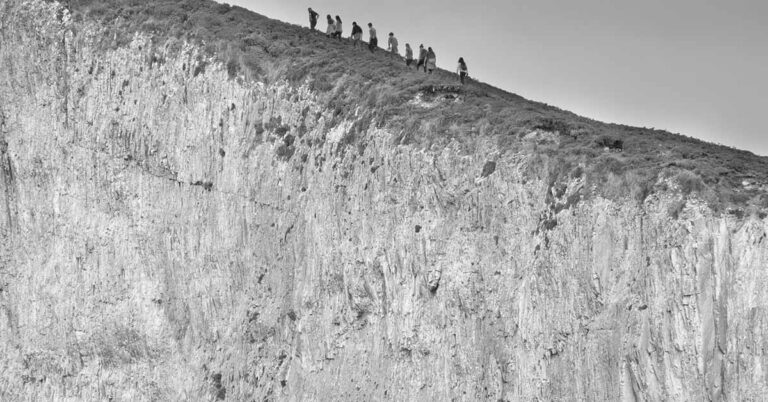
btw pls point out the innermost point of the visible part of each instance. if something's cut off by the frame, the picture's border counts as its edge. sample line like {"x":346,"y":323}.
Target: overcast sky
{"x":695,"y":67}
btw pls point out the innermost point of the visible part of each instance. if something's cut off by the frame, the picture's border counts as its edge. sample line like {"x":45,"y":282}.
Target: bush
{"x":610,"y":143}
{"x":553,"y":125}
{"x":689,"y":182}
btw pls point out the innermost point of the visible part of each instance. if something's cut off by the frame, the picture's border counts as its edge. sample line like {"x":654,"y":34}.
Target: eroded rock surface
{"x":168,"y":233}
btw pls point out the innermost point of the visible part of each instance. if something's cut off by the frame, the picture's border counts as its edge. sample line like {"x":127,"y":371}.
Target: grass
{"x":616,"y":160}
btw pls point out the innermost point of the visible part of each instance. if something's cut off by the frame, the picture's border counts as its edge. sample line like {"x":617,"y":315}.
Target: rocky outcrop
{"x":170,"y":233}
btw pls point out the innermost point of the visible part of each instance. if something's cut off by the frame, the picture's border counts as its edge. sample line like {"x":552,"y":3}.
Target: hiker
{"x":431,"y":60}
{"x":461,"y":69}
{"x":422,"y":59}
{"x":408,"y":55}
{"x":313,"y":18}
{"x":339,"y":31}
{"x":373,"y":41}
{"x":392,"y":45}
{"x":357,"y":34}
{"x":331,"y":26}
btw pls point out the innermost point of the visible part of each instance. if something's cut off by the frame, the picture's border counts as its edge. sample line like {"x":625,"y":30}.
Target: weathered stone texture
{"x":172,"y":234}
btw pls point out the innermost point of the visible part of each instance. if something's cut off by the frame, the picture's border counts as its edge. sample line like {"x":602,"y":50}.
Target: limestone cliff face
{"x":168,"y":233}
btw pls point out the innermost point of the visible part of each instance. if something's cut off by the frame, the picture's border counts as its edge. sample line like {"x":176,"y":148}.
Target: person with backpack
{"x":331,"y":26}
{"x":392,"y":45}
{"x":431,"y":60}
{"x":313,"y":18}
{"x":408,"y":55}
{"x":422,"y":59}
{"x":339,"y":30}
{"x":373,"y":41}
{"x":357,"y":34}
{"x":461,"y":69}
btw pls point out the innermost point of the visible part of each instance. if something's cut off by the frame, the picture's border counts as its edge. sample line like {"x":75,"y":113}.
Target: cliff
{"x":181,"y":222}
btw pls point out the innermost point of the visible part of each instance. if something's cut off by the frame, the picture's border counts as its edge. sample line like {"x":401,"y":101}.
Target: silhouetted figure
{"x":422,"y":59}
{"x":313,"y":18}
{"x":331,"y":26}
{"x":373,"y":41}
{"x":357,"y":34}
{"x":339,"y":30}
{"x":431,"y":60}
{"x":461,"y":69}
{"x":408,"y":55}
{"x":392,"y":45}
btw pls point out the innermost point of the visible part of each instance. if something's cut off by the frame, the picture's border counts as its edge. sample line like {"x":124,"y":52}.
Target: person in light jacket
{"x":431,"y":60}
{"x":392,"y":45}
{"x":408,"y":55}
{"x":373,"y":41}
{"x":339,"y":30}
{"x":331,"y":26}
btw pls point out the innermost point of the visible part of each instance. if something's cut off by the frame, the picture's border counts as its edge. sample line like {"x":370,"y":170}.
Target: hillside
{"x":201,"y":203}
{"x":616,"y":160}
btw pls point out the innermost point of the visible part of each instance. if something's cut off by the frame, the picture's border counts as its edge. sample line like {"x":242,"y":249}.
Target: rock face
{"x":168,"y":233}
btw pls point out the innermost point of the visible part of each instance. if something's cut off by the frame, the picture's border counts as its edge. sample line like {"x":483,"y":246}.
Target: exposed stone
{"x":305,"y":281}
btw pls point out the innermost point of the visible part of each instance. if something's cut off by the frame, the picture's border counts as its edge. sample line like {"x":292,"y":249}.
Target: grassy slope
{"x":619,"y":160}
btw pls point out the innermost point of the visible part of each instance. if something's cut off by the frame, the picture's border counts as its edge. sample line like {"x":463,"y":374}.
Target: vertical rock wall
{"x":169,"y":233}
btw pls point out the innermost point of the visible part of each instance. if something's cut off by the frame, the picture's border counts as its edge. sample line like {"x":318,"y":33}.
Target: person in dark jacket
{"x":461,"y":69}
{"x":357,"y":34}
{"x":313,"y":18}
{"x":422,"y":59}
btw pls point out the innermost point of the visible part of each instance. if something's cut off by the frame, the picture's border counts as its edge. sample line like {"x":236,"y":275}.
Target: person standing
{"x":357,"y":34}
{"x":339,"y":29}
{"x":373,"y":41}
{"x":313,"y":18}
{"x":422,"y":59}
{"x":408,"y":55}
{"x":392,"y":45}
{"x":461,"y":69}
{"x":431,"y":60}
{"x":331,"y":26}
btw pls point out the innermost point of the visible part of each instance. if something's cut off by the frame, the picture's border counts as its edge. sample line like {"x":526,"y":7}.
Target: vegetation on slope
{"x":617,"y":160}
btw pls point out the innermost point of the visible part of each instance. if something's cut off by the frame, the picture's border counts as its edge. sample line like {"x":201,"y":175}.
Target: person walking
{"x":373,"y":41}
{"x":408,"y":55}
{"x":392,"y":45}
{"x":422,"y":59}
{"x":331,"y":26}
{"x":313,"y":18}
{"x":431,"y":60}
{"x":357,"y":34}
{"x":461,"y":69}
{"x":339,"y":29}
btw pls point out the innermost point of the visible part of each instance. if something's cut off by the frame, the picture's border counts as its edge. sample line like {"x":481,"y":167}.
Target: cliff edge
{"x":201,"y":203}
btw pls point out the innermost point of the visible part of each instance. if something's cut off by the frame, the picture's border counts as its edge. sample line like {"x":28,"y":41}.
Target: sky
{"x":694,"y":67}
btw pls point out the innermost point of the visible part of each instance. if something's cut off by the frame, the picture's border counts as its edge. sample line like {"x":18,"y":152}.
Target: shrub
{"x":610,"y":143}
{"x":553,"y":125}
{"x":688,"y":182}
